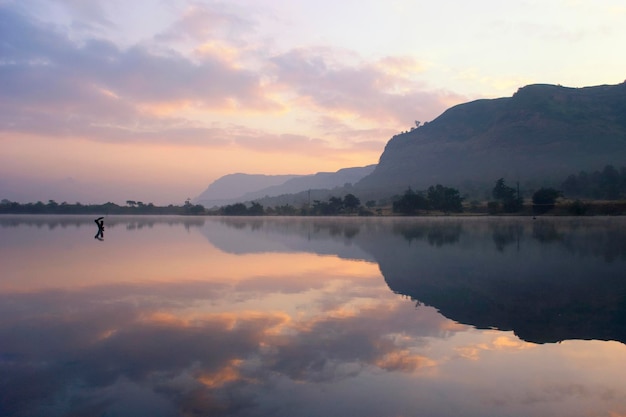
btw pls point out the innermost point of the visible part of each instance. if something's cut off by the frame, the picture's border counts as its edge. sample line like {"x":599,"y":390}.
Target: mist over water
{"x":170,"y":316}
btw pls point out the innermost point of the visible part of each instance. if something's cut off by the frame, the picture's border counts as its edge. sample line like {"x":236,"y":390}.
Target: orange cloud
{"x":403,"y":66}
{"x":219,"y":50}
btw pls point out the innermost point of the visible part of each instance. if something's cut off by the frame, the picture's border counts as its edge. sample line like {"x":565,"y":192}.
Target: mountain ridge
{"x":261,"y":186}
{"x":542,"y":131}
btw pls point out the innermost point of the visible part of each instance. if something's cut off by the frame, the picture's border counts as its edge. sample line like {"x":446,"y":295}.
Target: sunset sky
{"x":152,"y":100}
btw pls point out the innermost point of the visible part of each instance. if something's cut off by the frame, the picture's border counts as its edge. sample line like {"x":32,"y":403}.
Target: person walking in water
{"x":100,"y":222}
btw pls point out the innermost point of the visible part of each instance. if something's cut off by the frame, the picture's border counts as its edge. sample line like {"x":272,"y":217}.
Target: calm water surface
{"x":171,"y":316}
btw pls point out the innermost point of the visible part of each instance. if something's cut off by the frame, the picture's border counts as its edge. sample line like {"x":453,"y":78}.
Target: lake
{"x":218,"y":316}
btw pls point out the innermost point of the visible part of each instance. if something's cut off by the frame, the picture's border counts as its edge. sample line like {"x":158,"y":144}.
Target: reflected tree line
{"x":436,"y":234}
{"x":330,"y":227}
{"x":583,"y":237}
{"x":136,"y":223}
{"x":608,"y":243}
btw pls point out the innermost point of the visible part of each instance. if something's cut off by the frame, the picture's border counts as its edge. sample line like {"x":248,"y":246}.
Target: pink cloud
{"x":53,"y":86}
{"x":383,"y":93}
{"x":201,"y":22}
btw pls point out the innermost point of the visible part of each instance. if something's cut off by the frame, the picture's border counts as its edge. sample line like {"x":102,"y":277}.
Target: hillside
{"x":231,"y":187}
{"x":246,"y":187}
{"x":541,"y":133}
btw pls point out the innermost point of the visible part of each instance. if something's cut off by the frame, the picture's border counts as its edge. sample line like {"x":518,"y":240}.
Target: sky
{"x":152,"y":100}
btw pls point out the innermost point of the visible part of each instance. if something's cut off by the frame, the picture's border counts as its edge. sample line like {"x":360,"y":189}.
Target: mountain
{"x":245,"y":187}
{"x":540,"y":135}
{"x":543,"y":132}
{"x":231,"y":187}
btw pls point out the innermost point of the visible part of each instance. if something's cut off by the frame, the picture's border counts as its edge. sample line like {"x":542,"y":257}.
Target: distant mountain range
{"x":248,"y":187}
{"x":540,"y":135}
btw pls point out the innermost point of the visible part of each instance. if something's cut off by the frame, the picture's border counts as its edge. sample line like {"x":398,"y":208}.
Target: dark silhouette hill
{"x":543,"y":132}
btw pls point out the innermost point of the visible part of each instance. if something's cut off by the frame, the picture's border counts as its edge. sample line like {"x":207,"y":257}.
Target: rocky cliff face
{"x":542,"y":132}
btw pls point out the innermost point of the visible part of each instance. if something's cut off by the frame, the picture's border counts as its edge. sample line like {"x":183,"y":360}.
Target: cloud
{"x":225,"y":92}
{"x":91,"y":12}
{"x":52,"y":85}
{"x":384,"y":91}
{"x":204,"y":21}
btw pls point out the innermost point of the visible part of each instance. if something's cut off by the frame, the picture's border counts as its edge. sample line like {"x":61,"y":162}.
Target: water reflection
{"x":561,"y":282}
{"x":283,"y":317}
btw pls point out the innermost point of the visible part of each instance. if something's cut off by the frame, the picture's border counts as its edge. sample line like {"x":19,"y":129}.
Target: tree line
{"x":334,"y":206}
{"x":606,"y":184}
{"x":132,"y":207}
{"x":438,"y":197}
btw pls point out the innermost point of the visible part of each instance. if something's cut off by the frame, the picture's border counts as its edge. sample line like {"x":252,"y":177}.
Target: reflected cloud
{"x":404,"y":361}
{"x":496,"y":342}
{"x":102,"y":339}
{"x":230,"y":373}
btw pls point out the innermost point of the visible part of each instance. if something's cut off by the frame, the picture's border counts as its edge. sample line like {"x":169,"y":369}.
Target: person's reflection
{"x":100,"y":222}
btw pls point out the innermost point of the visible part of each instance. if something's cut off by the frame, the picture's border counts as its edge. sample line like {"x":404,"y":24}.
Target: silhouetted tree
{"x":544,"y":200}
{"x":410,"y":203}
{"x":237,"y":209}
{"x":445,"y":199}
{"x":256,"y":209}
{"x":285,"y":210}
{"x":507,"y":196}
{"x":335,"y":204}
{"x":351,"y":202}
{"x":194,"y":209}
{"x":608,"y":184}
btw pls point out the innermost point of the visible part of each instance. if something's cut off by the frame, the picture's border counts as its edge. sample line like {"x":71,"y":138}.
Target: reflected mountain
{"x":551,"y":286}
{"x":548,"y":280}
